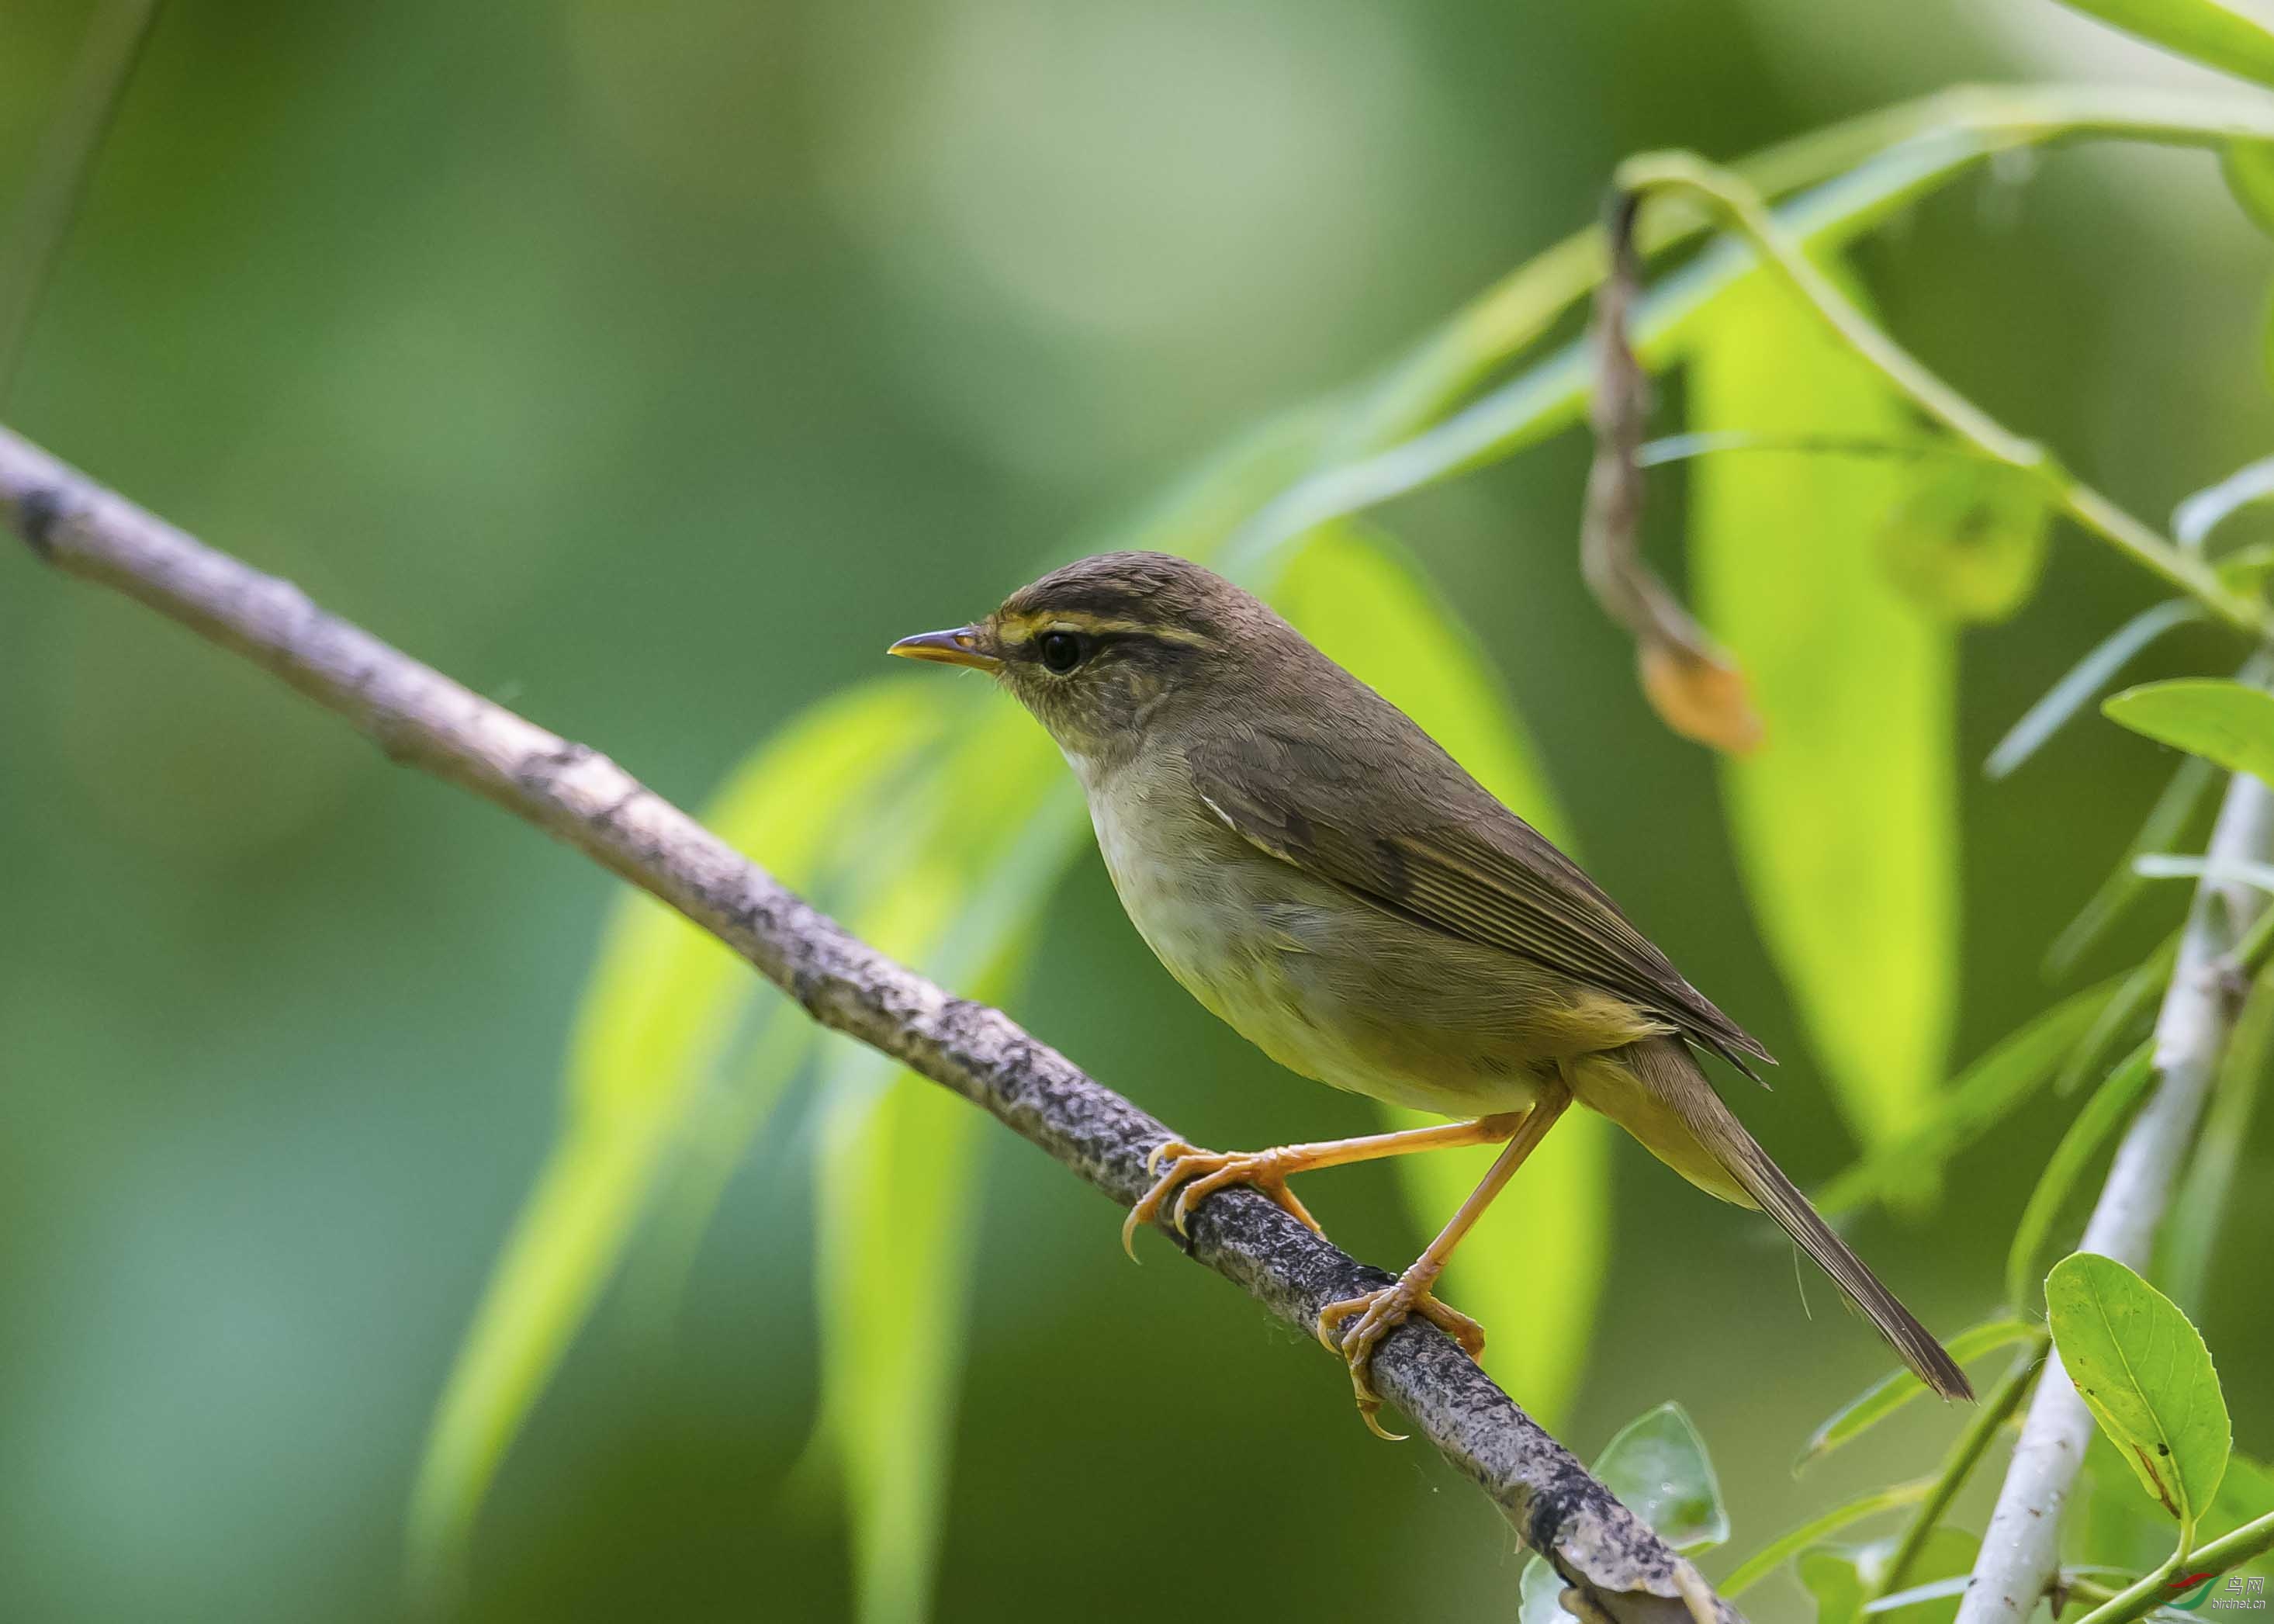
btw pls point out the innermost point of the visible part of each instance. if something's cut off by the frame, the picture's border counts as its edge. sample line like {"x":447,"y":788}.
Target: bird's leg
{"x":1194,"y":1174}
{"x":1381,"y":1312}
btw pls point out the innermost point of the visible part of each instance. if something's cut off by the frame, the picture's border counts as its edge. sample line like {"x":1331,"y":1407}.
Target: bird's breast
{"x":1323,"y":982}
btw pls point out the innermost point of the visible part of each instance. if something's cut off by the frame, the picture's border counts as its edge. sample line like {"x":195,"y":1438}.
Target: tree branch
{"x":1615,"y":1565}
{"x":2021,"y":1549}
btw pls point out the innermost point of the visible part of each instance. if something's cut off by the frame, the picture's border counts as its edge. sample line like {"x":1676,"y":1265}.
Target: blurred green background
{"x":649,"y":367}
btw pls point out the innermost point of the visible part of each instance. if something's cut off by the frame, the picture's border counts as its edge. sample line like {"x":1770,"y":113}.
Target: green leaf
{"x":1659,"y":1468}
{"x":2143,"y":1372}
{"x":1847,"y":836}
{"x":2119,"y":1018}
{"x":1364,"y":602}
{"x":2266,"y":338}
{"x":2229,"y":723}
{"x":2084,"y":679}
{"x":2246,"y":569}
{"x":1833,"y":1578}
{"x":1552,"y":394}
{"x":1788,"y":1545}
{"x":2213,"y":33}
{"x":2200,"y":514}
{"x":657,"y":1022}
{"x":1968,"y":541}
{"x":2093,"y":1128}
{"x":2123,"y":1526}
{"x":2248,"y":167}
{"x":954,"y":885}
{"x":2174,"y":810}
{"x":1977,"y":1100}
{"x":897,"y":1214}
{"x":2191,"y":1230}
{"x":1884,"y":1397}
{"x":1843,"y":1579}
{"x":2245,"y":1494}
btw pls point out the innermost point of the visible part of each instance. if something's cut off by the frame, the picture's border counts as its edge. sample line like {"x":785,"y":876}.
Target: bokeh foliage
{"x":652,"y":366}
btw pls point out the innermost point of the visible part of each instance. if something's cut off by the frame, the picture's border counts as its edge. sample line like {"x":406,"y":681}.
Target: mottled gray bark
{"x":1615,"y":1565}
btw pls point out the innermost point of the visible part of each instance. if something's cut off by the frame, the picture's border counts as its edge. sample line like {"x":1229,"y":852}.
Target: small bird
{"x":1321,"y":876}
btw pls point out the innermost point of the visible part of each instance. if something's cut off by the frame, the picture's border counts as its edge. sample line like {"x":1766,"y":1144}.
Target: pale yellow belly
{"x":1339,"y":990}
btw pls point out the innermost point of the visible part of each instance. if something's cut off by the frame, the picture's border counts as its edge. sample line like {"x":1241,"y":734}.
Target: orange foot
{"x":1194,"y":1174}
{"x":1381,"y":1312}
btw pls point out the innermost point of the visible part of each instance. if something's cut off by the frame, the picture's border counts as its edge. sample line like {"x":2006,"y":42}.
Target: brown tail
{"x":1667,"y":1070}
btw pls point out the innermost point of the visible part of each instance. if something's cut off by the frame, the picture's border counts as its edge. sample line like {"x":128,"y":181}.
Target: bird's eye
{"x":1061,"y":651}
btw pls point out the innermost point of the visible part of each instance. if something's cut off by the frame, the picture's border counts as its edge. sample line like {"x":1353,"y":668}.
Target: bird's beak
{"x":964,"y":645}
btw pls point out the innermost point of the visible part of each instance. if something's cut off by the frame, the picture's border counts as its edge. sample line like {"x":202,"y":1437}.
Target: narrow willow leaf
{"x":2225,"y":871}
{"x":2229,"y":723}
{"x":2085,"y":679}
{"x":1912,"y":1596}
{"x":896,"y":1192}
{"x":1201,"y":512}
{"x":1845,"y":1580}
{"x":2266,"y":338}
{"x":2093,"y":1128}
{"x":657,"y":1018}
{"x":2119,"y":1018}
{"x":2246,"y":569}
{"x":2248,"y":167}
{"x":2214,"y":32}
{"x":1658,"y":1467}
{"x":1008,"y":842}
{"x":1787,"y":1545}
{"x":1552,"y":396}
{"x":2191,"y":1230}
{"x":1884,"y":1397}
{"x":1847,"y":836}
{"x":1364,"y":602}
{"x":2167,"y":820}
{"x":1968,"y":541}
{"x":1977,"y":1100}
{"x":2195,"y":518}
{"x":955,"y":889}
{"x":2143,"y":1372}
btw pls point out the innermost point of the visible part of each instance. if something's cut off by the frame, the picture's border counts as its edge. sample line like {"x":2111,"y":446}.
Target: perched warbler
{"x":1316,"y":870}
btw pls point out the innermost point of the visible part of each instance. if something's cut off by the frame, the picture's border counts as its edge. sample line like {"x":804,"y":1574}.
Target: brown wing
{"x":1447,"y":855}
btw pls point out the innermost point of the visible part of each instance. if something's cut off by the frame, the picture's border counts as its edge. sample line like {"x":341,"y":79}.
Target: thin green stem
{"x":1417,"y":426}
{"x":1516,"y":310}
{"x":2228,"y":1552}
{"x":1965,"y":1454}
{"x":1741,"y":206}
{"x":1790,"y":1544}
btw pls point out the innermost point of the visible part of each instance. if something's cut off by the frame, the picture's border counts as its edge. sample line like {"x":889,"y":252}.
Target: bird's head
{"x":1107,"y":649}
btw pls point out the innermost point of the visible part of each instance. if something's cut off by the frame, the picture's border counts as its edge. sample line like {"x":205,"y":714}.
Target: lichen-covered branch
{"x":2021,"y":1549}
{"x":1614,"y":1565}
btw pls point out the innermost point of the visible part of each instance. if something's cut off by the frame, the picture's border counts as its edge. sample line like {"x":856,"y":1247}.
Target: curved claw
{"x":1193,"y":1175}
{"x":1170,"y":1149}
{"x":1379,"y":1313}
{"x":1149,"y":1203}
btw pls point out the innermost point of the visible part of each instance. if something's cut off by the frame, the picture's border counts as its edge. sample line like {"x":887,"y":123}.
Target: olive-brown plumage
{"x":1317,"y":870}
